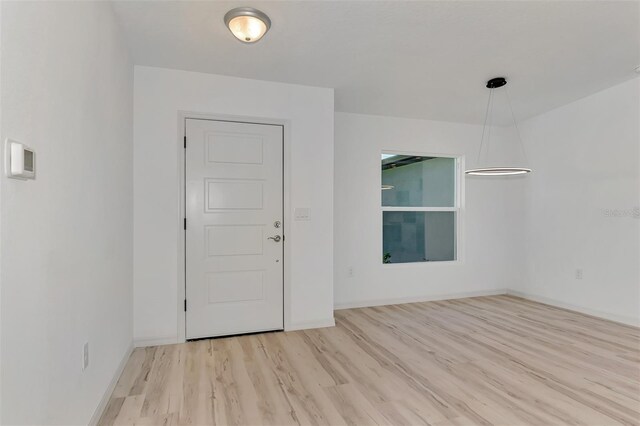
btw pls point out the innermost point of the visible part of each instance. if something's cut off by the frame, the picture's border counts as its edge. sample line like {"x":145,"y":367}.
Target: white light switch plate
{"x":301,"y":213}
{"x":19,"y":160}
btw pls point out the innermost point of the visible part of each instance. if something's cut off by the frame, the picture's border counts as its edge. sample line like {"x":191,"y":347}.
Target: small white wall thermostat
{"x":20,"y":160}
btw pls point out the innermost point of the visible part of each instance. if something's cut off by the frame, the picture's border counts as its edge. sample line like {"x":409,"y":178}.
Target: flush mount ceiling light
{"x":247,"y":24}
{"x":489,"y":169}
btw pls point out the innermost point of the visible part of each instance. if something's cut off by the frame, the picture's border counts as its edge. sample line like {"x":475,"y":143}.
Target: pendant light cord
{"x":493,"y":101}
{"x":484,"y":126}
{"x":515,"y":124}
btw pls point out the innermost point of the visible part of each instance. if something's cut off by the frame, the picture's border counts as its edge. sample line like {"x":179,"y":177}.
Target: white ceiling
{"x":418,"y":59}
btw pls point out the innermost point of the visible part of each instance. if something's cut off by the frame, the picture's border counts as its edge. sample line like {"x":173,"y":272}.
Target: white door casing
{"x":234,"y":204}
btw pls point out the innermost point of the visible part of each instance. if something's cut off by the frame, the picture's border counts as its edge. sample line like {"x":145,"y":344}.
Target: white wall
{"x":66,"y":269}
{"x":586,"y":162}
{"x":159,"y":96}
{"x":492,"y":216}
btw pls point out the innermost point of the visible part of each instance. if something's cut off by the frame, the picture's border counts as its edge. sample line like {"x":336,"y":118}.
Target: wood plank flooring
{"x":488,"y":360}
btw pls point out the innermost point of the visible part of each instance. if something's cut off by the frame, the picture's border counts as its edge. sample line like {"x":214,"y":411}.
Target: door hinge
{"x":185,"y":223}
{"x":185,"y":305}
{"x":185,"y":142}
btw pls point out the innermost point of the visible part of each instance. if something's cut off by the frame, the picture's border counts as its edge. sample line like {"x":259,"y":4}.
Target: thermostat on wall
{"x":20,"y":160}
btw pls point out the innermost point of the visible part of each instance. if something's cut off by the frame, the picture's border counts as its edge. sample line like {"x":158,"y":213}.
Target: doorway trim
{"x":286,"y":196}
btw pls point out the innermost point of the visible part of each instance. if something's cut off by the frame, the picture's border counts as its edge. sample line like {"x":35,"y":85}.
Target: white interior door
{"x":234,"y":239}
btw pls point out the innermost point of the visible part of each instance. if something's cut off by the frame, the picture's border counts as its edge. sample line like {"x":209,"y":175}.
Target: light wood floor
{"x":487,"y":360}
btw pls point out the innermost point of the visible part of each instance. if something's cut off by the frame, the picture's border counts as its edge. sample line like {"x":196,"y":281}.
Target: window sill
{"x":438,"y":262}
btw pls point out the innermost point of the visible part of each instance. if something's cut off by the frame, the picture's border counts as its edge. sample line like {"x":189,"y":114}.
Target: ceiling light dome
{"x":247,"y":24}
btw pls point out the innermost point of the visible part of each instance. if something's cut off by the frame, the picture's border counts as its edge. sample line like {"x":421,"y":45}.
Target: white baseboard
{"x":327,"y":322}
{"x":431,"y":298}
{"x":112,"y":385}
{"x":587,"y":311}
{"x":155,"y":341}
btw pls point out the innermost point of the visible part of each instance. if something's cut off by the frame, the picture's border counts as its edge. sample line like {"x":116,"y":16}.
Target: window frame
{"x":458,"y":208}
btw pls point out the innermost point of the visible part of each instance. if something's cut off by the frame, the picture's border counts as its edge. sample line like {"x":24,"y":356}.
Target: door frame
{"x":286,"y":196}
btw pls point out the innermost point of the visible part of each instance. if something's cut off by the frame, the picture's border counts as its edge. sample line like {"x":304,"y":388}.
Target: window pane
{"x":413,"y":181}
{"x":418,"y":236}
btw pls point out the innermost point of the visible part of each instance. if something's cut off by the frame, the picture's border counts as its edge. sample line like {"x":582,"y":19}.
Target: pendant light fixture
{"x":489,"y":169}
{"x":247,"y":24}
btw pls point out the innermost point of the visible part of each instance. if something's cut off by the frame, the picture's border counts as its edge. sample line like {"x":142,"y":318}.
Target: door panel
{"x":234,"y":272}
{"x":236,"y":194}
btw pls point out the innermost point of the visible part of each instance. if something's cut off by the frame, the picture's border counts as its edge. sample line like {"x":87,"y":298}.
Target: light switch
{"x":20,"y":160}
{"x":301,"y":213}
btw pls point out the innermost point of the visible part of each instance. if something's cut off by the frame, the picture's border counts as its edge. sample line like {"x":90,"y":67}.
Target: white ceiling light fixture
{"x":247,"y":24}
{"x":489,"y":169}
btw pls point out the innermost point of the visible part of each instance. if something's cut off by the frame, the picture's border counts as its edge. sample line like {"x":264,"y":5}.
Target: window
{"x":420,"y":208}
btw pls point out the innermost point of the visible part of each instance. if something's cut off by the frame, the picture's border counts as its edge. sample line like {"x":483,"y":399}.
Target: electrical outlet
{"x":350,"y":271}
{"x":85,"y":356}
{"x":578,"y":274}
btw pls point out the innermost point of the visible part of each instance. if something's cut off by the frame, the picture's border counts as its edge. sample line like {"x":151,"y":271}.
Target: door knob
{"x":276,"y":238}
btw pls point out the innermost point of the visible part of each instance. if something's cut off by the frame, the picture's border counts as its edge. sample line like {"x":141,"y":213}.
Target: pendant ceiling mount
{"x":487,"y":168}
{"x":494,"y":83}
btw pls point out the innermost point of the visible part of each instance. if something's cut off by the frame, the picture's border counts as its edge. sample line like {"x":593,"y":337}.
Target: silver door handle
{"x":277,"y":238}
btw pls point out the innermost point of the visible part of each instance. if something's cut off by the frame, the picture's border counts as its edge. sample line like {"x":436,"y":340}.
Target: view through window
{"x":419,"y":208}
